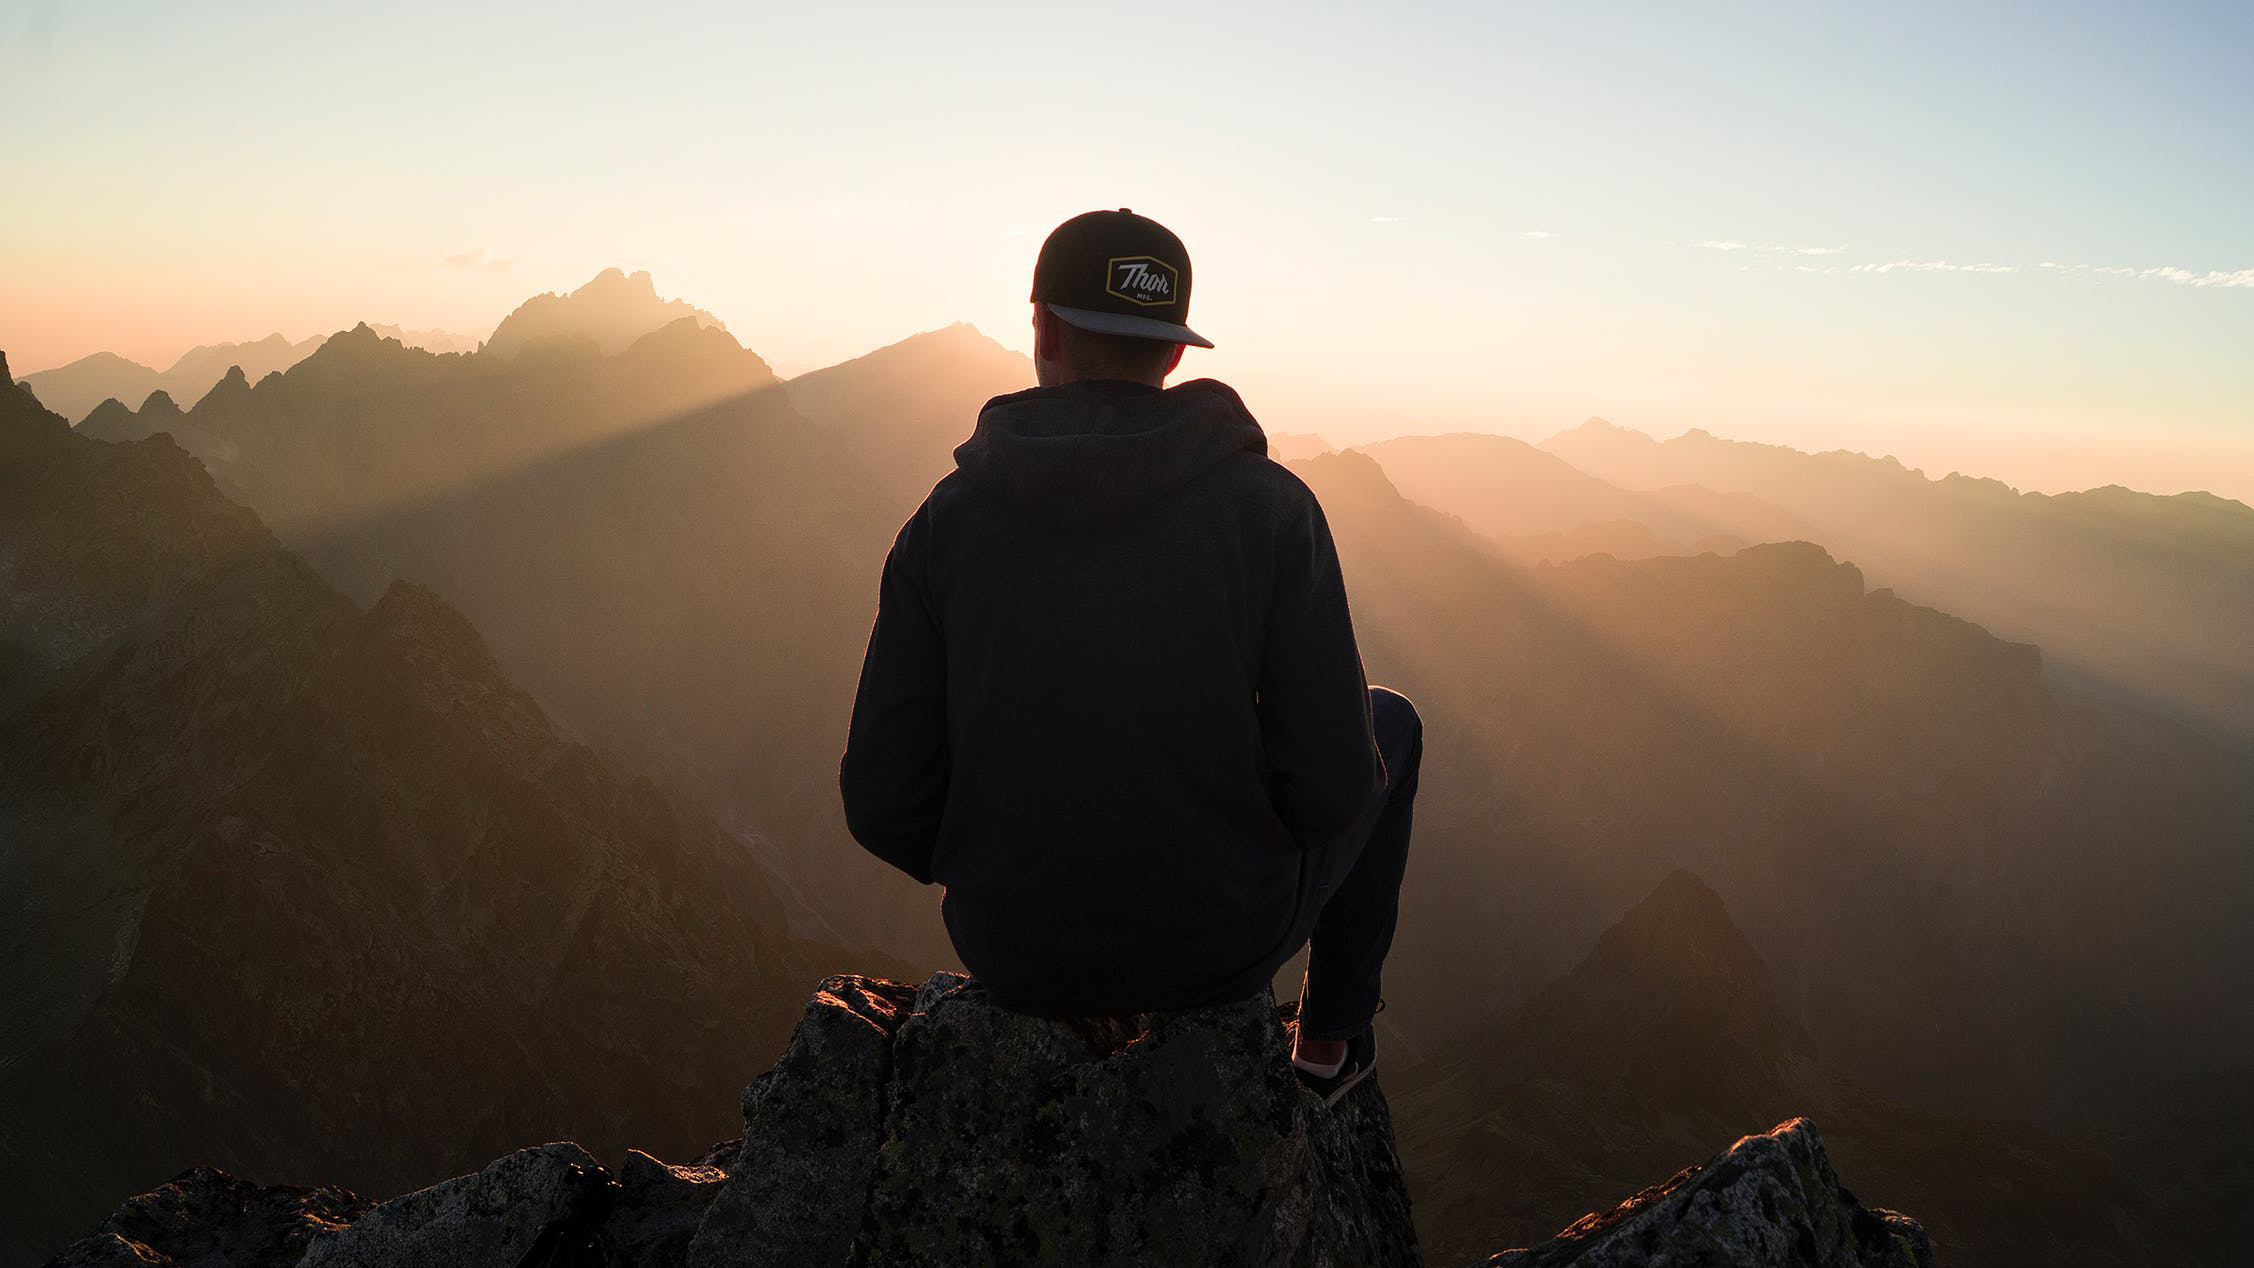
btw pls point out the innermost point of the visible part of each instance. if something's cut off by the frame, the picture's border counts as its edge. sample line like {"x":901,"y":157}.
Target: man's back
{"x":1113,"y":701}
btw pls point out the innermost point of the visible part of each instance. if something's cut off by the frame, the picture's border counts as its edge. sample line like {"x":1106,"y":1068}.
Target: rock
{"x":928,"y":1126}
{"x":207,"y":1217}
{"x":1771,"y":1200}
{"x":812,"y":1128}
{"x":476,"y":1221}
{"x":659,"y":1208}
{"x":921,"y":1127}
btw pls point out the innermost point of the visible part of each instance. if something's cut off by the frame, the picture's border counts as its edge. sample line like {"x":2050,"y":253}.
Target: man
{"x":1112,"y":701}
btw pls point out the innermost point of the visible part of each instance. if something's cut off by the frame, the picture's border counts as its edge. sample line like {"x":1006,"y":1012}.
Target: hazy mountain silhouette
{"x":614,"y":309}
{"x":901,"y":409}
{"x":303,"y":889}
{"x":1660,"y":1042}
{"x":2143,"y":597}
{"x":1978,"y":892}
{"x":439,"y":341}
{"x":1287,"y":446}
{"x":1544,"y":509}
{"x":657,"y":544}
{"x":1959,"y":875}
{"x":76,"y":389}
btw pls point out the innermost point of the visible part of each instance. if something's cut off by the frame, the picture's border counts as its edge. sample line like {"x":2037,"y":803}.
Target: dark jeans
{"x":1358,"y":886}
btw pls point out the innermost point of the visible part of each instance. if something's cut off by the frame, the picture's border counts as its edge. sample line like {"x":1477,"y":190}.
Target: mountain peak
{"x":618,"y":283}
{"x":160,"y":403}
{"x":1597,"y":433}
{"x":232,"y":386}
{"x":614,"y":309}
{"x":1672,"y":1004}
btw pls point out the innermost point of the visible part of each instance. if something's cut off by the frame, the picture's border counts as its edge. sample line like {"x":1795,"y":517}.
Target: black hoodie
{"x":1112,"y":701}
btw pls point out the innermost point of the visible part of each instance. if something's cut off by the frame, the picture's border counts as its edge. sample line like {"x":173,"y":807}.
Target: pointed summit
{"x":614,"y":309}
{"x":1673,"y":1006}
{"x":159,"y":407}
{"x":232,"y":387}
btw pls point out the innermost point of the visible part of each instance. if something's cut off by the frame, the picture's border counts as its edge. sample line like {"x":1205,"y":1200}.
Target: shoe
{"x":1361,"y":1062}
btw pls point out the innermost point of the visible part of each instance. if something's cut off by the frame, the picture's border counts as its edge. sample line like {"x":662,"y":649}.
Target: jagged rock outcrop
{"x":929,"y":1126}
{"x":1770,"y":1200}
{"x":926,"y":1126}
{"x":205,"y":1216}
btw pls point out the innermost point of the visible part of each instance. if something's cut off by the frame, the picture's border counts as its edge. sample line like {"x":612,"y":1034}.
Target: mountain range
{"x":1981,"y":882}
{"x":1665,"y":1037}
{"x":310,"y":888}
{"x":76,"y":389}
{"x":2147,"y":599}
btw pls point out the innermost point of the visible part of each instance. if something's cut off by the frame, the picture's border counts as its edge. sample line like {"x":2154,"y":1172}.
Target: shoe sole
{"x":1330,"y":1098}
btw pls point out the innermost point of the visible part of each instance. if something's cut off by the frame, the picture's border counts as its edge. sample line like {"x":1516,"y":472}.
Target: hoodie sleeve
{"x":894,"y":774}
{"x":1323,"y":763}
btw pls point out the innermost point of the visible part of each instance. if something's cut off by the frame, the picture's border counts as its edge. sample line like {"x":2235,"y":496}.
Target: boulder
{"x":206,"y":1217}
{"x":926,"y":1125}
{"x":931,"y":1126}
{"x":1770,"y":1200}
{"x":485,"y":1220}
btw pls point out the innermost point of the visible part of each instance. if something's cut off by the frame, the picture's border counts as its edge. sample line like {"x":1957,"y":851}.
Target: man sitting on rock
{"x":1112,"y":701}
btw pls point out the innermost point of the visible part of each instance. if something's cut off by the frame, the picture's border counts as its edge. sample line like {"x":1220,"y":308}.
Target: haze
{"x":2011,"y":243}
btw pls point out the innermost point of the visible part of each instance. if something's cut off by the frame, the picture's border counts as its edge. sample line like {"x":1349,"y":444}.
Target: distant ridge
{"x":2136,"y":597}
{"x":904,"y":407}
{"x":75,"y":390}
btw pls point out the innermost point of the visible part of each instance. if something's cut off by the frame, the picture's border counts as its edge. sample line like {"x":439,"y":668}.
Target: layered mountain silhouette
{"x":303,"y":888}
{"x":1965,"y":887}
{"x":1957,"y":874}
{"x":901,"y":409}
{"x":2143,"y":597}
{"x":657,"y":543}
{"x":1661,"y":1042}
{"x":1542,"y":509}
{"x":76,"y":389}
{"x":614,"y":309}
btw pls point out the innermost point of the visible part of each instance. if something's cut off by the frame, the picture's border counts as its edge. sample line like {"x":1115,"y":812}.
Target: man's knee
{"x":1400,"y":732}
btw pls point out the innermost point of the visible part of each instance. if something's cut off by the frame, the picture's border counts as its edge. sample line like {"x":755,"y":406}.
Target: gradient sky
{"x":2015,"y":240}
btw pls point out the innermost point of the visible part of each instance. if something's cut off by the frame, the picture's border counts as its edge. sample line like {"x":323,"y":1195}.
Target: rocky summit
{"x":912,"y":1125}
{"x":1767,"y":1200}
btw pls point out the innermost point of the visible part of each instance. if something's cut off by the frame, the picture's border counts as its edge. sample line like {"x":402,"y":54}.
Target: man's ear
{"x":1174,"y":362}
{"x":1048,"y":333}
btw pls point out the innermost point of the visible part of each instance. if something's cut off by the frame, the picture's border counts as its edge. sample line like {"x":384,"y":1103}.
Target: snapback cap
{"x":1117,"y":273}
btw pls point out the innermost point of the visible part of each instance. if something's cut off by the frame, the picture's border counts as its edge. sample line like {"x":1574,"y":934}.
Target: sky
{"x":2012,"y":240}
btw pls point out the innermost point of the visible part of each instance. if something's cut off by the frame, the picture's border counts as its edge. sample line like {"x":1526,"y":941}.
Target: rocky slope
{"x":315,"y":892}
{"x":924,"y":1126}
{"x":659,"y":547}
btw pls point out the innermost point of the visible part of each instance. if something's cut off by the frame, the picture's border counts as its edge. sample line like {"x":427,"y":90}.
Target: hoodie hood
{"x":1083,"y":455}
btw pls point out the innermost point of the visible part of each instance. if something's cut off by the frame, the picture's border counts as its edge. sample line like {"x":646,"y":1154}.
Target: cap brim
{"x":1130,"y":326}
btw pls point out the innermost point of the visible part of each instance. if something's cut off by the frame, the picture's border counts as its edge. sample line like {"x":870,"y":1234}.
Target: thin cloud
{"x":1780,"y":257}
{"x":482,"y":258}
{"x":1385,"y":220}
{"x":1537,"y":233}
{"x":1931,"y":266}
{"x":2237,"y":279}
